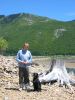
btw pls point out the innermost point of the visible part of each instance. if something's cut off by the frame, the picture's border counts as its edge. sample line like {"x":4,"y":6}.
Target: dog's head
{"x":35,"y":75}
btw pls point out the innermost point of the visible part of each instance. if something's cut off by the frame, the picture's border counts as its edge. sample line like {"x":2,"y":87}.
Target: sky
{"x":63,"y":10}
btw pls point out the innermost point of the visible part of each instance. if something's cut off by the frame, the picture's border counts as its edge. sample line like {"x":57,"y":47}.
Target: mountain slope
{"x":46,"y":36}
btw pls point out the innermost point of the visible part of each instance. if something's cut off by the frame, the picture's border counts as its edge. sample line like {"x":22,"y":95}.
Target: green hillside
{"x":46,"y":36}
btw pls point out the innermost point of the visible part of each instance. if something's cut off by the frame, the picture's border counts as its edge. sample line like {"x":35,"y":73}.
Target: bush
{"x":3,"y":45}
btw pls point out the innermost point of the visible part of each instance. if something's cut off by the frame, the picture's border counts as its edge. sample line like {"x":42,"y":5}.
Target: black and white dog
{"x":36,"y":82}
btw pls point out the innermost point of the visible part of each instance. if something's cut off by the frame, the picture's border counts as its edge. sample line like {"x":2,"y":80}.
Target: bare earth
{"x":9,"y":82}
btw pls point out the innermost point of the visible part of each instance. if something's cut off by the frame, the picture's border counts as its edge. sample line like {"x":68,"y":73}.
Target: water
{"x":71,"y":70}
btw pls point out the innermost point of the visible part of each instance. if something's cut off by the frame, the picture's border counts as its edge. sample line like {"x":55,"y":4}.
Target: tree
{"x":3,"y":45}
{"x":58,"y":73}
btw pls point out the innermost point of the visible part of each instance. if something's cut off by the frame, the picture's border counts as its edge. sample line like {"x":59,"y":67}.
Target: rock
{"x":9,"y":82}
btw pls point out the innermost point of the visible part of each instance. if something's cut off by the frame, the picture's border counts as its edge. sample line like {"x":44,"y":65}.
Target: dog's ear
{"x":34,"y":74}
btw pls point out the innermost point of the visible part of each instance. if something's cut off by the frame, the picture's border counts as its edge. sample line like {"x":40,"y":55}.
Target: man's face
{"x":26,"y":47}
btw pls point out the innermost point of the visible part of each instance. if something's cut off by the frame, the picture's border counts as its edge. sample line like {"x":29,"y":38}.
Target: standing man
{"x":24,"y":59}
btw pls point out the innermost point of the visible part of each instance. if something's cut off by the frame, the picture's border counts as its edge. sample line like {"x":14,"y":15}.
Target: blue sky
{"x":63,"y":10}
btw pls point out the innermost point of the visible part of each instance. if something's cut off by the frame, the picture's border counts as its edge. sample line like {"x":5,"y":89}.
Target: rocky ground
{"x":9,"y":82}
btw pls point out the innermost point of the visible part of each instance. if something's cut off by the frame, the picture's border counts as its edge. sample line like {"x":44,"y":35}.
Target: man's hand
{"x":24,"y":62}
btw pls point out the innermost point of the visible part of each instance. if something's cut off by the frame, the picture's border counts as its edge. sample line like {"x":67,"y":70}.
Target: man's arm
{"x":18,"y":57}
{"x":30,"y":58}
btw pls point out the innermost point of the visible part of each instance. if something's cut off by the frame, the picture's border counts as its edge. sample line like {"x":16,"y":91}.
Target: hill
{"x":46,"y":36}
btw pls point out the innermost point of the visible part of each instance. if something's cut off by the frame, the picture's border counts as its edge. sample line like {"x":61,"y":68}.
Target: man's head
{"x":26,"y":46}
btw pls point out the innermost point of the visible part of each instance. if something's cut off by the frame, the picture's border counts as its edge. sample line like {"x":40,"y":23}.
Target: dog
{"x":36,"y":82}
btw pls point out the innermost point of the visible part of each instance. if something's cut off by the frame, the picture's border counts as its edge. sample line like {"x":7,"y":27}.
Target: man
{"x":24,"y":59}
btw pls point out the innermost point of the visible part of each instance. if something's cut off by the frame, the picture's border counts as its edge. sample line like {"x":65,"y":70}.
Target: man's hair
{"x":26,"y":44}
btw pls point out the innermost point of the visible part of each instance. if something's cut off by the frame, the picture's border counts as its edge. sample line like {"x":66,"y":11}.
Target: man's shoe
{"x":28,"y":87}
{"x":24,"y":87}
{"x":20,"y":89}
